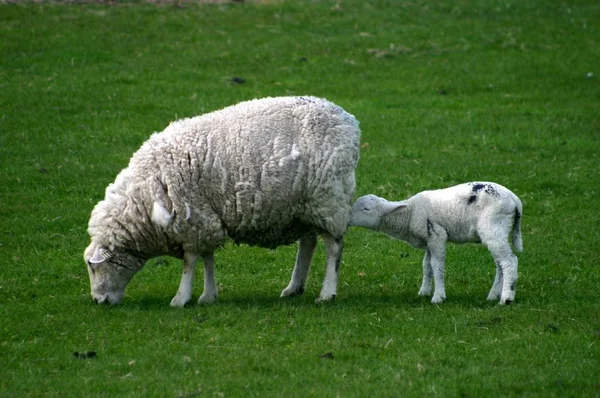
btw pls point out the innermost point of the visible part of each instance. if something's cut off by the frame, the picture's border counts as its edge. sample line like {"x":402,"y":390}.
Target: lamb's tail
{"x":517,"y":239}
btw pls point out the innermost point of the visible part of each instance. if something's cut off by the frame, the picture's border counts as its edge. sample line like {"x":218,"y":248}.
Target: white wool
{"x":160,"y":215}
{"x":479,"y":212}
{"x":265,"y":172}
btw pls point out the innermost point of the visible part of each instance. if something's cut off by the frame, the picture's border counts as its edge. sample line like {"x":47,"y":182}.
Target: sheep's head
{"x":110,"y":271}
{"x":368,"y":210}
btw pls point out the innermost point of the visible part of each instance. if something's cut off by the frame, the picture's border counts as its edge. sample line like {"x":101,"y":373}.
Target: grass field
{"x":446,"y":92}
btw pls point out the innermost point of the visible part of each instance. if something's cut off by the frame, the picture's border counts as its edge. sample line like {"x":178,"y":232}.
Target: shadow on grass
{"x":265,"y":301}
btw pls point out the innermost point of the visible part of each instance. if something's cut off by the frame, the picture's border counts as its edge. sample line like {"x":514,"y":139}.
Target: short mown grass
{"x":446,"y":92}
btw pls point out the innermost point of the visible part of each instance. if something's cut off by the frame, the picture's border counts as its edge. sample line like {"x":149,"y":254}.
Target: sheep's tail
{"x":517,"y":239}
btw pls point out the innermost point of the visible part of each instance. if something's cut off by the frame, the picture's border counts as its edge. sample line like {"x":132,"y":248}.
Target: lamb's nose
{"x":95,"y":300}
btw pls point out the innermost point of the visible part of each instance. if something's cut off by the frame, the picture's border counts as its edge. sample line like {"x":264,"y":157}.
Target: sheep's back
{"x":268,"y":169}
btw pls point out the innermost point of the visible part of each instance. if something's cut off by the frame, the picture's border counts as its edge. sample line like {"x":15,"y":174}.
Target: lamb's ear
{"x":391,"y":207}
{"x":101,"y":254}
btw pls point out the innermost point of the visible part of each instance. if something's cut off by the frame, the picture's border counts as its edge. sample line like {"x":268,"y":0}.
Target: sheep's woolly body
{"x":479,"y":212}
{"x":263,"y":172}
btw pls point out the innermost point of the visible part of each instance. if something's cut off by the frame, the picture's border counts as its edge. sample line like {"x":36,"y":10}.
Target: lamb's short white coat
{"x":479,"y":212}
{"x":265,"y":172}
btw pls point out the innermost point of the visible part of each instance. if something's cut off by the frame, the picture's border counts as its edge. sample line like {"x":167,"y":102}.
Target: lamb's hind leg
{"x":497,"y":285}
{"x":306,"y":249}
{"x":334,"y":248}
{"x":184,"y":293}
{"x":508,"y":264}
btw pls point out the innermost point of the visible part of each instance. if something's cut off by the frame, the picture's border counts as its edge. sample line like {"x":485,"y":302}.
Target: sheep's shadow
{"x":360,"y":301}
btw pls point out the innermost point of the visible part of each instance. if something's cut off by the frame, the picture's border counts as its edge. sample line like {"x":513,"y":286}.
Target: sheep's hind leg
{"x":427,"y":275}
{"x":334,"y":248}
{"x":210,"y":284}
{"x":184,"y":293}
{"x":306,"y":249}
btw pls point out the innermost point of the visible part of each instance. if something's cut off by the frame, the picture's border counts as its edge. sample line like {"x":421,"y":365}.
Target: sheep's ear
{"x":101,"y":254}
{"x":391,"y":207}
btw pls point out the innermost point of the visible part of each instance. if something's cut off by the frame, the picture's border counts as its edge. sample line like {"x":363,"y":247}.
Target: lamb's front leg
{"x":306,"y":249}
{"x":184,"y":293}
{"x":427,"y":275}
{"x":333,"y":248}
{"x":210,"y":284}
{"x":437,"y":248}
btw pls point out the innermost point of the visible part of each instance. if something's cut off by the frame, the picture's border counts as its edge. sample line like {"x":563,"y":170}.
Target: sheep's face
{"x":368,"y":210}
{"x":110,"y":271}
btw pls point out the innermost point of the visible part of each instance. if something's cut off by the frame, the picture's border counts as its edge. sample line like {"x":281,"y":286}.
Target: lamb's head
{"x":368,"y":211}
{"x":110,"y":271}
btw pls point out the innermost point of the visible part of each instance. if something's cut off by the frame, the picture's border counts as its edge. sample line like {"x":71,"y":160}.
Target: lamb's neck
{"x":396,"y":224}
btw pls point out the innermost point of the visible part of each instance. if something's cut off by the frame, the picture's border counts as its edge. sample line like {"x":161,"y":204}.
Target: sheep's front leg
{"x":210,"y":284}
{"x":427,"y":275}
{"x":333,"y":248}
{"x":184,"y":293}
{"x":306,"y":249}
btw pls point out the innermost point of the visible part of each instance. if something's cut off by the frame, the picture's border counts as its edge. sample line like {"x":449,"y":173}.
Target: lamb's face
{"x":366,"y":212}
{"x":110,"y":272}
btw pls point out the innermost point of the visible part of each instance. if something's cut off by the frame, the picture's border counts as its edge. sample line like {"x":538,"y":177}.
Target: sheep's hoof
{"x":425,"y":292}
{"x":325,"y":298}
{"x":292,"y":291}
{"x":179,"y":302}
{"x":207,"y":298}
{"x":437,"y":299}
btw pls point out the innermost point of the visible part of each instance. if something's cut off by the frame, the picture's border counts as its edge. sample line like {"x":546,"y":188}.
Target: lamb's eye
{"x":367,"y":209}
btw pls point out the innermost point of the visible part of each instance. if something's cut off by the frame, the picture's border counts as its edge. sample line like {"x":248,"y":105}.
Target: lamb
{"x":265,"y":172}
{"x":480,"y":212}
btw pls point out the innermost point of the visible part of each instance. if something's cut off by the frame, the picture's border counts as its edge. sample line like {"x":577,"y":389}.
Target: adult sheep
{"x":265,"y":172}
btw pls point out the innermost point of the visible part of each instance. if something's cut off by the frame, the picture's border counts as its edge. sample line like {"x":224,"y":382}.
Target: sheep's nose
{"x":95,"y":300}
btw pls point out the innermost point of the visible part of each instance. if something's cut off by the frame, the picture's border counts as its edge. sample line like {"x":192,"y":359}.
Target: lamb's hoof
{"x":507,"y":298}
{"x":425,"y":292}
{"x":493,"y":296}
{"x":207,"y":299}
{"x":438,"y":299}
{"x":323,"y":299}
{"x":292,"y":291}
{"x":179,"y":301}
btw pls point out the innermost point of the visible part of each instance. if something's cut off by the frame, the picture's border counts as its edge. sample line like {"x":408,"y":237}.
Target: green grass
{"x":446,"y":93}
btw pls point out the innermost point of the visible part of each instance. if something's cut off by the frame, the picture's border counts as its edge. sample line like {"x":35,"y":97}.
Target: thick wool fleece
{"x":264,"y":172}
